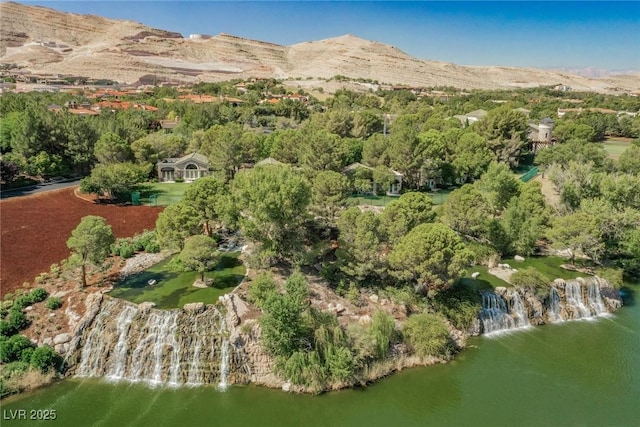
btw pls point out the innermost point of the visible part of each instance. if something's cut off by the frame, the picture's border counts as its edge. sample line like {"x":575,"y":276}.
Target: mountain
{"x":43,"y":40}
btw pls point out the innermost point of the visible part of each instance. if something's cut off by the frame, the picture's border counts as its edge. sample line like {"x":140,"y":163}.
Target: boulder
{"x":194,"y":307}
{"x":62,"y":338}
{"x":475,"y":275}
{"x":374,"y":298}
{"x":146,"y":306}
{"x":286,"y":386}
{"x":518,"y":258}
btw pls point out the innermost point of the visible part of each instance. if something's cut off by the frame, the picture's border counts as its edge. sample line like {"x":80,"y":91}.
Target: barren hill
{"x":43,"y":40}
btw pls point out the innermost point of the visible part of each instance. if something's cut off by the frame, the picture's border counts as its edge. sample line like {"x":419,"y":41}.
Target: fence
{"x":530,"y":175}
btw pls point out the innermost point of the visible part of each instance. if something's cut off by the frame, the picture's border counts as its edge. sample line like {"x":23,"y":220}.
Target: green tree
{"x":329,"y":193}
{"x":272,"y":204}
{"x":175,"y":224}
{"x":525,"y":219}
{"x":359,"y":254}
{"x":506,"y":131}
{"x":431,"y":256}
{"x":402,"y":215}
{"x":114,"y":179}
{"x":223,"y":145}
{"x":466,"y":211}
{"x":322,"y":150}
{"x":577,"y":232}
{"x":91,"y":241}
{"x":629,"y":161}
{"x":111,"y":148}
{"x":261,"y":288}
{"x":472,"y":156}
{"x":498,"y":186}
{"x":210,"y":198}
{"x":200,"y":254}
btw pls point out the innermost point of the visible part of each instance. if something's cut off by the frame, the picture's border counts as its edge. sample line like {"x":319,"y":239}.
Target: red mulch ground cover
{"x":35,"y":230}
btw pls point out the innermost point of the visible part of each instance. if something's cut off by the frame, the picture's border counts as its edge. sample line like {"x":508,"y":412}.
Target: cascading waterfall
{"x":500,"y":314}
{"x":555,"y":307}
{"x":574,"y":300}
{"x":494,"y":315}
{"x":518,"y":311}
{"x":126,"y":342}
{"x":594,"y":299}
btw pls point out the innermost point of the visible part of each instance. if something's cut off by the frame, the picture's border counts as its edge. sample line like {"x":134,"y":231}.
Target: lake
{"x":579,"y":373}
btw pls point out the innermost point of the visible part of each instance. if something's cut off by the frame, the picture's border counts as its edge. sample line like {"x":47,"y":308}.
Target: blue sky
{"x":570,"y":34}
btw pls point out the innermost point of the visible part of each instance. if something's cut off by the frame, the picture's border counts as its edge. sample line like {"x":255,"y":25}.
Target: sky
{"x":562,"y":34}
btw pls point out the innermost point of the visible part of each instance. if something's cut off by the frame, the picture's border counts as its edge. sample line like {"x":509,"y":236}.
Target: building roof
{"x":195,"y":157}
{"x":354,"y":166}
{"x":477,"y":114}
{"x":268,"y":161}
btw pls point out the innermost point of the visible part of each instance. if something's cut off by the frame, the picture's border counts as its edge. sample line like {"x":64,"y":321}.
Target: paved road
{"x":39,"y":188}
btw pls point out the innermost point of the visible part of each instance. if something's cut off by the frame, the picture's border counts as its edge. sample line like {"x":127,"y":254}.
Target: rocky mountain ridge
{"x":45,"y":41}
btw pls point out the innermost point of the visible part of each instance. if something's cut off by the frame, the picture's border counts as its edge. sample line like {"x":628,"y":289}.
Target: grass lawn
{"x":437,"y":197}
{"x":169,"y":193}
{"x":484,"y":281}
{"x":548,"y":266}
{"x":615,"y":147}
{"x":174,"y":289}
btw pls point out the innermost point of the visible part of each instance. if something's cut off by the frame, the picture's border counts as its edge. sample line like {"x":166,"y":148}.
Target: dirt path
{"x":548,"y":191}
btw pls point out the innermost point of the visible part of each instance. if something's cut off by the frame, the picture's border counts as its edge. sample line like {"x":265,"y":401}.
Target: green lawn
{"x":548,"y":266}
{"x":484,"y":281}
{"x":174,"y":290}
{"x":168,"y":193}
{"x":615,"y":147}
{"x":437,"y":197}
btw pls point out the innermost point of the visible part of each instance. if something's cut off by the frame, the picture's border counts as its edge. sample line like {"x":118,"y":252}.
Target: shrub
{"x":53,"y":303}
{"x":427,"y":335}
{"x":39,"y":294}
{"x":42,"y":277}
{"x":460,"y":304}
{"x":44,"y":358}
{"x":22,"y":301}
{"x":11,"y":349}
{"x":17,"y":319}
{"x":6,"y":329}
{"x":124,"y":247}
{"x":55,"y":270}
{"x":261,"y":288}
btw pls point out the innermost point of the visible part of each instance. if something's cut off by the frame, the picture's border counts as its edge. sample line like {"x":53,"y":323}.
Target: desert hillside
{"x":45,"y":41}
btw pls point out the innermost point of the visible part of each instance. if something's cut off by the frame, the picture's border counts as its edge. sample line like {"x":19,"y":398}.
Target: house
{"x":471,"y":117}
{"x":541,"y":134}
{"x":393,"y":190}
{"x":189,"y":168}
{"x":268,"y":161}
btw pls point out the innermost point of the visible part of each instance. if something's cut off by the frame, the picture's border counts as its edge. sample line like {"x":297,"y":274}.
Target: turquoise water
{"x":582,"y":373}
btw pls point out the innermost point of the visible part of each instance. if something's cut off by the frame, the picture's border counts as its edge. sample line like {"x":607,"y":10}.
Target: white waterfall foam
{"x":555,"y":306}
{"x":494,"y":315}
{"x":119,"y":359}
{"x":575,"y":301}
{"x":224,"y":365}
{"x":518,"y":311}
{"x":594,"y":299}
{"x":156,"y":346}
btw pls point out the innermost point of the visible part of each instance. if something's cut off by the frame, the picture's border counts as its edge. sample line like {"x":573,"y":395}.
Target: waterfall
{"x":224,"y":365}
{"x":575,"y":301}
{"x":594,"y":299}
{"x":555,"y":307}
{"x":494,"y":315}
{"x":120,"y":351}
{"x":518,"y":311}
{"x":126,"y":342}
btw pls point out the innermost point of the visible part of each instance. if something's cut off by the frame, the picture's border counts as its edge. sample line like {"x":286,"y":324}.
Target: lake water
{"x":581,"y":373}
